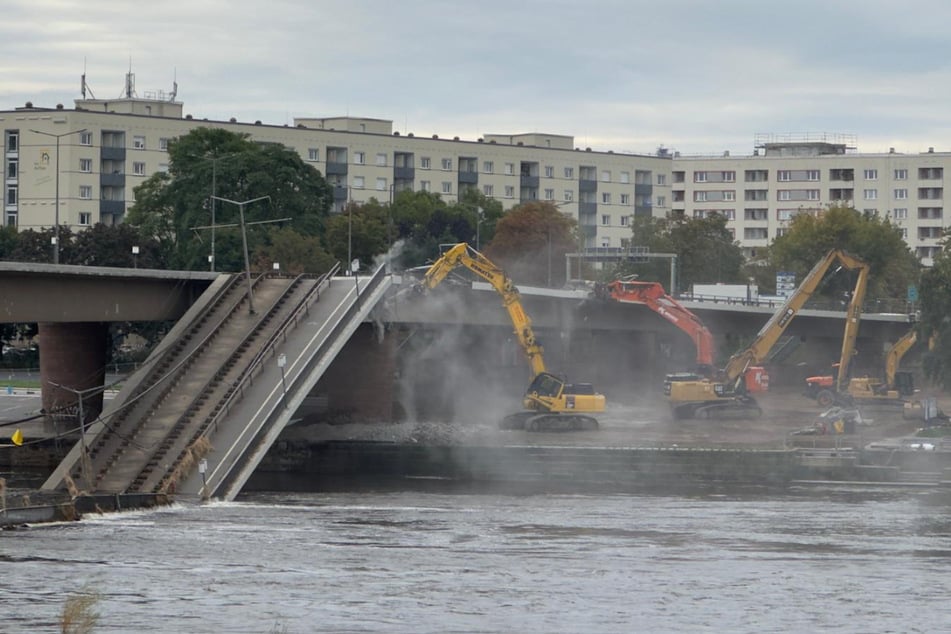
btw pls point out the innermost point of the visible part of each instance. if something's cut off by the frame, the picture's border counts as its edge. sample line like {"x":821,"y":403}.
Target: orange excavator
{"x":652,"y":295}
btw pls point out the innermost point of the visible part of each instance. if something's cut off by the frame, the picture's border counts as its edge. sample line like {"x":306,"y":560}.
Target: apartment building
{"x":760,"y":194}
{"x":80,"y":166}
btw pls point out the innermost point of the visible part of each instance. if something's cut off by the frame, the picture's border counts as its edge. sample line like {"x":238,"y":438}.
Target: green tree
{"x":360,"y":232}
{"x":36,"y":246}
{"x":705,"y":249}
{"x":105,"y":245}
{"x":175,"y":207}
{"x":294,"y":252}
{"x":892,"y":265}
{"x":935,"y":303}
{"x":531,"y":242}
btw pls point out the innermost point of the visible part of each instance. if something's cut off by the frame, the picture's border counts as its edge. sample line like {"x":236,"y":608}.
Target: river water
{"x":802,"y":560}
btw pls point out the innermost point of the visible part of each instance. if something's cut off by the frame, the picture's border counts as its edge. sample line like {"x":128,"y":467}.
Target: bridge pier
{"x":72,"y":355}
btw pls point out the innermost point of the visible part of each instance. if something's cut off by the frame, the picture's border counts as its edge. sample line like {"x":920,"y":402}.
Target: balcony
{"x":116,"y":179}
{"x":643,"y":190}
{"x":336,"y":169}
{"x":586,"y":185}
{"x":404,"y":173}
{"x":112,"y":153}
{"x":528,"y":182}
{"x":472,"y":178}
{"x":112,"y":207}
{"x":585,"y":209}
{"x":340,"y":192}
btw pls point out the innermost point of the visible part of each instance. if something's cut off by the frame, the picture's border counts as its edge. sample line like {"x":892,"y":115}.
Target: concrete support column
{"x":359,"y":382}
{"x":72,"y":355}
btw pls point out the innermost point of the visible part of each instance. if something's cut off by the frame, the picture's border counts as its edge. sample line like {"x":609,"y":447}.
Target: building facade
{"x":80,"y":166}
{"x":761,"y":193}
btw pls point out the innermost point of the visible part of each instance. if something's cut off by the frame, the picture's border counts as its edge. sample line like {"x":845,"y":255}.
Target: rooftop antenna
{"x":130,"y":82}
{"x":84,"y":87}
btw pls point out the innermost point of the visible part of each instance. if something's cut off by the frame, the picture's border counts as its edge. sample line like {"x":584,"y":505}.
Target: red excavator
{"x":652,"y":295}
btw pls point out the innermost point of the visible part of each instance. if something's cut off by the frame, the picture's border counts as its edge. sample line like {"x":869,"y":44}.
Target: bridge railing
{"x":881,"y":305}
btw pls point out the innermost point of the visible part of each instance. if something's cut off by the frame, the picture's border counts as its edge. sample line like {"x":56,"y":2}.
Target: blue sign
{"x":912,"y":293}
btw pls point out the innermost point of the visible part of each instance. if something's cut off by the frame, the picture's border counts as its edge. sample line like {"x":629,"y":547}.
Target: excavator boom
{"x":652,"y":295}
{"x":550,"y":403}
{"x":729,"y":397}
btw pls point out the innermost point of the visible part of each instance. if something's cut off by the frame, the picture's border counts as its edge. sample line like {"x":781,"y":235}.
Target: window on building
{"x":549,"y":171}
{"x":446,"y":187}
{"x":447,"y":164}
{"x":381,"y":159}
{"x":381,"y":184}
{"x":700,"y":177}
{"x":871,"y":175}
{"x":11,"y":218}
{"x":606,"y":198}
{"x":605,"y":220}
{"x":625,"y":177}
{"x":425,"y":186}
{"x":425,"y":162}
{"x":901,"y":194}
{"x":569,"y":172}
{"x":509,"y":191}
{"x":359,"y":158}
{"x":163,"y":144}
{"x":85,"y":138}
{"x":784,"y":175}
{"x":901,"y":174}
{"x":870,"y":194}
{"x":661,"y":201}
{"x":625,"y":199}
{"x":85,"y":192}
{"x":488,"y":167}
{"x":605,"y":242}
{"x":605,"y":176}
{"x":85,"y":218}
{"x":313,"y":154}
{"x":13,"y":141}
{"x":138,"y":142}
{"x":625,"y":221}
{"x":85,"y":165}
{"x":904,"y":233}
{"x":509,"y":169}
{"x":549,"y":194}
{"x":900,"y":213}
{"x":138,"y":168}
{"x":12,"y":166}
{"x":488,"y":190}
{"x":812,"y":175}
{"x":569,"y":195}
{"x":699,"y":197}
{"x":11,"y":194}
{"x":358,"y":182}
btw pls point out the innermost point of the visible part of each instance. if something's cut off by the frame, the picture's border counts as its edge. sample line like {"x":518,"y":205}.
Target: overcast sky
{"x":697,"y":76}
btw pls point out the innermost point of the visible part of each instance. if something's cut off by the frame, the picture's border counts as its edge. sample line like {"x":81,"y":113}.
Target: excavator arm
{"x":896,"y":352}
{"x":652,"y":295}
{"x":464,"y":255}
{"x":852,"y":319}
{"x":773,"y":329}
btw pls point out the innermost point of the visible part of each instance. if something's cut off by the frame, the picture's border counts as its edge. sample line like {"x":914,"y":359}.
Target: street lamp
{"x":281,"y":362}
{"x":135,"y":257}
{"x":56,"y":228}
{"x":244,"y":240}
{"x":85,"y":466}
{"x":478,"y":225}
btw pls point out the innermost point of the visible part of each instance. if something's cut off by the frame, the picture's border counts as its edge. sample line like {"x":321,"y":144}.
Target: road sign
{"x":912,"y":293}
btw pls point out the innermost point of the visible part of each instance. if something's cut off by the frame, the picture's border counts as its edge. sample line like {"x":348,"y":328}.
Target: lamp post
{"x":281,"y":362}
{"x":84,"y":458}
{"x":135,"y":257}
{"x":244,"y":240}
{"x":349,"y":237}
{"x":478,"y":225}
{"x":56,"y":228}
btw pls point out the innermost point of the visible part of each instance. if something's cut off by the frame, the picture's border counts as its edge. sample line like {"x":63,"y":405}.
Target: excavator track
{"x":736,"y":409}
{"x":549,"y":422}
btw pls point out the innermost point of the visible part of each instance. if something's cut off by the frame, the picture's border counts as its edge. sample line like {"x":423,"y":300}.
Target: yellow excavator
{"x":896,"y":386}
{"x":550,"y":403}
{"x":729,"y":393}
